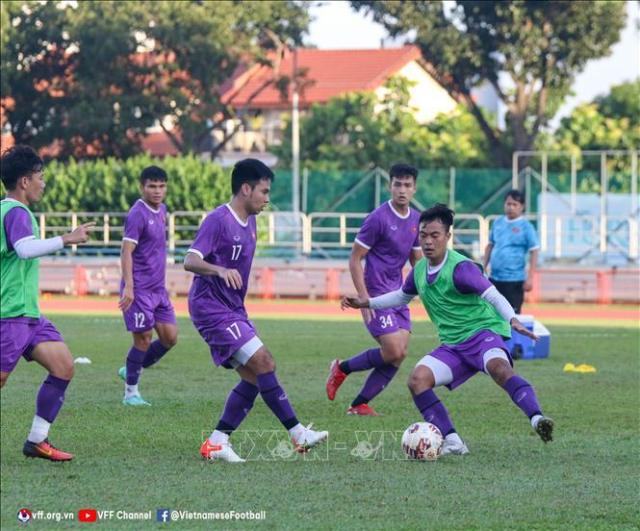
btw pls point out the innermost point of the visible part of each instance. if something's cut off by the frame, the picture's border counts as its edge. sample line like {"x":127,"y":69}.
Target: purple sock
{"x":50,"y":397}
{"x":135,"y":358}
{"x":275,"y":397}
{"x":523,"y":395}
{"x":155,"y":352}
{"x":237,"y":407}
{"x":375,"y":383}
{"x":433,"y":411}
{"x":364,"y":361}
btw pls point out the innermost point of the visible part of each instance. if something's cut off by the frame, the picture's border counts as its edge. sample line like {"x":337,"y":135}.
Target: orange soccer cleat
{"x":335,"y":379}
{"x":364,"y":410}
{"x":45,"y":450}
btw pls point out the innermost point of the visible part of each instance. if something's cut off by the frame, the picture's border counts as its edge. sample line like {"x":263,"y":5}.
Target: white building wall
{"x":427,"y":96}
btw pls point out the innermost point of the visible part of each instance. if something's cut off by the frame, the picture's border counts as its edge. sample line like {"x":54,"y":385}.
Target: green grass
{"x":145,"y":459}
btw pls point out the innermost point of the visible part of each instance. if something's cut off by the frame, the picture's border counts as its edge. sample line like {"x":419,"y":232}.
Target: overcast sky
{"x":336,"y":25}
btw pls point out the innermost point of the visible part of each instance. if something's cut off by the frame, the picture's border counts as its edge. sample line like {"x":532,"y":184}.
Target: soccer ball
{"x":422,"y":441}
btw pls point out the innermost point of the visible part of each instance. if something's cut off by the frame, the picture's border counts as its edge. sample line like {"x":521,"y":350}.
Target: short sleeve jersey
{"x":223,"y":240}
{"x":389,"y":238}
{"x":147,"y":228}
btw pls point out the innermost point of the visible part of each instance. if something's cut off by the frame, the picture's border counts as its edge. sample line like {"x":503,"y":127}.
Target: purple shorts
{"x":226,"y":335}
{"x":389,"y":321}
{"x":147,"y":309}
{"x":20,"y":335}
{"x":467,"y":358}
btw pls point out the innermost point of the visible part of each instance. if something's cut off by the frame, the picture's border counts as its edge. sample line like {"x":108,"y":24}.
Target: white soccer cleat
{"x":219,"y":452}
{"x":308,"y":439}
{"x":454,"y":447}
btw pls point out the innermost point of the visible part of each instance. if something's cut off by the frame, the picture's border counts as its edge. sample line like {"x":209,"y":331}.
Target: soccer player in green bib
{"x":471,"y":317}
{"x":24,"y":332}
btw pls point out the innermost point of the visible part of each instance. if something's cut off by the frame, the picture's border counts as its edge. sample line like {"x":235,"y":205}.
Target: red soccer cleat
{"x":364,"y":410}
{"x":45,"y":450}
{"x":335,"y":379}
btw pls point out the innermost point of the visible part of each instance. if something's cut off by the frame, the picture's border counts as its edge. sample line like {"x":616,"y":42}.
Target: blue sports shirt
{"x":512,"y":240}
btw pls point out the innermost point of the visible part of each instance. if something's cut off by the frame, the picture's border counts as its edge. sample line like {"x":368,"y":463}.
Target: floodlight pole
{"x":295,"y":139}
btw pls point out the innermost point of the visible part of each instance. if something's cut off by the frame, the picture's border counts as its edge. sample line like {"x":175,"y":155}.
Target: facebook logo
{"x":162,"y":515}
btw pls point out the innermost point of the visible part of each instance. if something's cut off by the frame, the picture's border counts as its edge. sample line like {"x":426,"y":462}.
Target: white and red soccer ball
{"x":422,"y":441}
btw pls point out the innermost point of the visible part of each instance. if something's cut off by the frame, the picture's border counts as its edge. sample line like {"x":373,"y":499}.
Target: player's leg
{"x":263,"y":366}
{"x":393,"y":350}
{"x":237,"y":406}
{"x":383,"y":323}
{"x":55,"y":356}
{"x":139,"y":320}
{"x":438,"y":368}
{"x":133,"y":368}
{"x":166,"y":328}
{"x":522,"y":393}
{"x":167,"y":339}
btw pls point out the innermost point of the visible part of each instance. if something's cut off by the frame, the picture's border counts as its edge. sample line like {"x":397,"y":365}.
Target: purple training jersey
{"x":467,"y":278}
{"x":389,"y":238}
{"x":146,"y":227}
{"x":223,"y":240}
{"x":17,"y":227}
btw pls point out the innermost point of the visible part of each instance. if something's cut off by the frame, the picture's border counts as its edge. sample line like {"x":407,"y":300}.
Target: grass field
{"x":146,"y":459}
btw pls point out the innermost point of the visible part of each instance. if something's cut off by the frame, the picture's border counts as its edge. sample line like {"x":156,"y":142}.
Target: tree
{"x":610,"y":122}
{"x":529,"y":51}
{"x":358,"y":131}
{"x":91,"y":77}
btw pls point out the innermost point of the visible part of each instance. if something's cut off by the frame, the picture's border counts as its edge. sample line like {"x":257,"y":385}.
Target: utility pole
{"x":295,"y":139}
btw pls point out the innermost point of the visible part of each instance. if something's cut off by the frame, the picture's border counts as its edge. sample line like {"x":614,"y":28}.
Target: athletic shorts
{"x":452,"y":365}
{"x":147,"y":309}
{"x":389,"y":321}
{"x":19,"y":336}
{"x":232,"y":339}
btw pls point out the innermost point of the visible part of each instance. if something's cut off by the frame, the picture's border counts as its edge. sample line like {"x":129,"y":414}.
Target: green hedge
{"x":112,"y":185}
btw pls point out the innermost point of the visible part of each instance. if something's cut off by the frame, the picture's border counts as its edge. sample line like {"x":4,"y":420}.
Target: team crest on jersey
{"x":393,"y":227}
{"x":150,"y":222}
{"x":515,"y":230}
{"x":236,"y":238}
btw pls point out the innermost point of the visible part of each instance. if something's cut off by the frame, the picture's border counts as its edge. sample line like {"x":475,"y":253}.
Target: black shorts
{"x":512,"y":291}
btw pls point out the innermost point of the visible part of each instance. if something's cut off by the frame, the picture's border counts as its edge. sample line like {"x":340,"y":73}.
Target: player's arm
{"x":126,"y":263}
{"x":533,"y":264}
{"x":393,"y":299}
{"x":487,"y":256}
{"x":468,"y":279}
{"x":31,"y":247}
{"x":195,"y":263}
{"x":358,"y":252}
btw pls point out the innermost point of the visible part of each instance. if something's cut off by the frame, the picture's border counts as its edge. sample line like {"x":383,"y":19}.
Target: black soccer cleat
{"x":544,"y":428}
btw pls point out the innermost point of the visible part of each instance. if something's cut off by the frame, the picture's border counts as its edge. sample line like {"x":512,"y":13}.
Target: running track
{"x":331,"y":310}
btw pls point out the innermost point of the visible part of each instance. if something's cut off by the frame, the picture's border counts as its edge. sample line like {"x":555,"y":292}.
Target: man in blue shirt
{"x":512,"y":237}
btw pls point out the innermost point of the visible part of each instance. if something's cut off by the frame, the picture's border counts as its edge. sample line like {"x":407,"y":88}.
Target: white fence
{"x":330,"y":231}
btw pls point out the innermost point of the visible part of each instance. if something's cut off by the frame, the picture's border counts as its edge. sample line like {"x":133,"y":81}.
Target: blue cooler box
{"x":531,"y":349}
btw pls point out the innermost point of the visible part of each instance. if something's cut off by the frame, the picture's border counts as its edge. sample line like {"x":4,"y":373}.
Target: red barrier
{"x":333,"y":284}
{"x":603,"y":282}
{"x":533,"y":296}
{"x":80,"y":282}
{"x":266,"y":283}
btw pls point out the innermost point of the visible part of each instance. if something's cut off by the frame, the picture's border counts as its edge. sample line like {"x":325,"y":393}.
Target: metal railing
{"x":561,"y":236}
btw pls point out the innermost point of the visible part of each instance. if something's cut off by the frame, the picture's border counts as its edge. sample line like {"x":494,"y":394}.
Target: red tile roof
{"x":329,"y":73}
